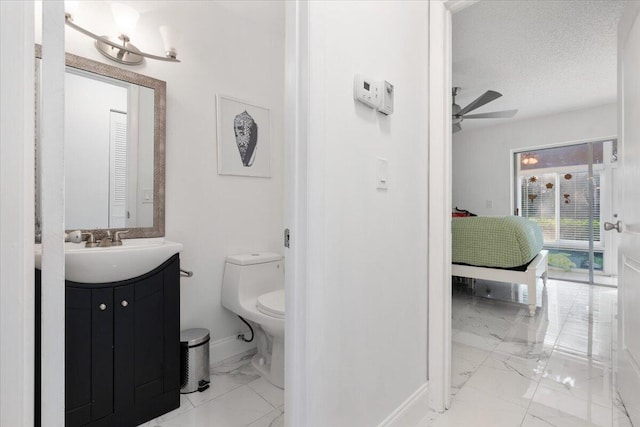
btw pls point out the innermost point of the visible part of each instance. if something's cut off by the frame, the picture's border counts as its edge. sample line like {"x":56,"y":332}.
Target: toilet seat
{"x":272,"y":304}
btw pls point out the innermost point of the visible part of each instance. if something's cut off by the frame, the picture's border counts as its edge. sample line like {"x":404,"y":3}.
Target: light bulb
{"x":126,"y":18}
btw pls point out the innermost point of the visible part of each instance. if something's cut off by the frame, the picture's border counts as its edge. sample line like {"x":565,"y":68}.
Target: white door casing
{"x":440,"y":187}
{"x":16,"y":213}
{"x":439,"y":284}
{"x":296,"y":210}
{"x":628,"y":351}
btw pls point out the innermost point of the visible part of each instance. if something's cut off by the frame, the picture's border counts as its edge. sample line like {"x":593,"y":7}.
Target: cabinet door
{"x":148,"y":328}
{"x":77,"y":356}
{"x":123,"y":375}
{"x":157,"y":343}
{"x":102,"y":352}
{"x":172,"y":326}
{"x":157,"y":333}
{"x":88,"y":355}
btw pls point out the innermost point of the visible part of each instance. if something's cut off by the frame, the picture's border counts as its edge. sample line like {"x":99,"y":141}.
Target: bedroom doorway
{"x":567,"y":189}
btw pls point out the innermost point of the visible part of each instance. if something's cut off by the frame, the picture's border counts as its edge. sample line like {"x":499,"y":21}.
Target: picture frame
{"x":244,"y":138}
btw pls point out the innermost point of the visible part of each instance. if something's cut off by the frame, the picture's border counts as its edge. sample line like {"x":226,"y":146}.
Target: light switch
{"x":489,"y":204}
{"x":383,"y":173}
{"x":147,"y":195}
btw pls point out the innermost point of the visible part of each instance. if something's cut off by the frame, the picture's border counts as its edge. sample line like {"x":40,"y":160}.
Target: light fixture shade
{"x":126,"y":18}
{"x":171,"y":39}
{"x":71,"y":7}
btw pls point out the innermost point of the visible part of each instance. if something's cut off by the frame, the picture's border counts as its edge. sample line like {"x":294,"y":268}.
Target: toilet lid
{"x":272,"y":303}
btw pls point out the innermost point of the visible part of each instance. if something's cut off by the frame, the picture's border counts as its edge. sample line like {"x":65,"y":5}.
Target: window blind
{"x":559,"y":203}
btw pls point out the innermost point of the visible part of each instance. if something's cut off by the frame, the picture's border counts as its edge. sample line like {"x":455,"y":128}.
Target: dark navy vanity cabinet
{"x":122,"y":349}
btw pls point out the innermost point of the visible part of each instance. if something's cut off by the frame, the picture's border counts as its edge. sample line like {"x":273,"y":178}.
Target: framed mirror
{"x":114,"y":149}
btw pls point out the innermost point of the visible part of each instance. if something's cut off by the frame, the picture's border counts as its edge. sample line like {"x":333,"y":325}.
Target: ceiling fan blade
{"x":456,"y":127}
{"x":494,"y":115}
{"x":485,"y":98}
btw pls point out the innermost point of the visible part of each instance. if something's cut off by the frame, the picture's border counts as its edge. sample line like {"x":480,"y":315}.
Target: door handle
{"x":609,"y":226}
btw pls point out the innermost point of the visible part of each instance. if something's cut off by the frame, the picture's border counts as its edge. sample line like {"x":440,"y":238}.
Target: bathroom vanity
{"x":122,"y":302}
{"x":122,"y":348}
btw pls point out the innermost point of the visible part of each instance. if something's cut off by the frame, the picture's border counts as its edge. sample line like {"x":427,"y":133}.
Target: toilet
{"x":253,"y":288}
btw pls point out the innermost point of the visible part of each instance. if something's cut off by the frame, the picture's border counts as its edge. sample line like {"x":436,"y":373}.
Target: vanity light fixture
{"x":119,"y":48}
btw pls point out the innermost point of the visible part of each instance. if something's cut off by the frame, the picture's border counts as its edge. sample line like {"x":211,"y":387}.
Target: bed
{"x":504,"y":249}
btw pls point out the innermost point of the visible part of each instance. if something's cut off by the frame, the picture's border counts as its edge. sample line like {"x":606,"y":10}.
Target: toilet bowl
{"x":253,"y":288}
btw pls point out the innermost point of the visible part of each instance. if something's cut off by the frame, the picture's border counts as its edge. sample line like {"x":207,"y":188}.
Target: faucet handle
{"x":91,"y":240}
{"x":117,"y":240}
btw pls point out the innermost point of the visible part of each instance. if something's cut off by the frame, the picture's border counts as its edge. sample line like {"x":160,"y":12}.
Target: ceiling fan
{"x":459,"y":114}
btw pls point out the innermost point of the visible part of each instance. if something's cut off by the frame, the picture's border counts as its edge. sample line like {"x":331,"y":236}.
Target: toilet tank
{"x":248,"y":276}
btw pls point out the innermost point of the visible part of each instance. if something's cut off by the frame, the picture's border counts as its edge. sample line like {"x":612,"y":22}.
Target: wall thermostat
{"x":373,"y":93}
{"x":366,"y":91}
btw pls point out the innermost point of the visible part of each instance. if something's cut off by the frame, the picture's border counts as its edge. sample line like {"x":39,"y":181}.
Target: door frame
{"x":296,"y":210}
{"x":439,"y":211}
{"x":440,"y":199}
{"x":608,"y":208}
{"x":17,"y":293}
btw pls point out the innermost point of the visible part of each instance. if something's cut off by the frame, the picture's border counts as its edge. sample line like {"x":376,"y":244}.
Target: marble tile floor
{"x":583,"y":276}
{"x":555,"y":369}
{"x":237,"y":397}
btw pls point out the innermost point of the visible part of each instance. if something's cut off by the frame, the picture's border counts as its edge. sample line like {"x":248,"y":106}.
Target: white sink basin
{"x":104,"y":265}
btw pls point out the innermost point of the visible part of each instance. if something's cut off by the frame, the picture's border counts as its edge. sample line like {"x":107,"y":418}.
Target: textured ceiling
{"x":544,"y":56}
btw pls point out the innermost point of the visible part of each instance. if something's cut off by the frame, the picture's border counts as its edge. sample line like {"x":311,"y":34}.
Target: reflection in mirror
{"x":114,"y":149}
{"x":109,"y":140}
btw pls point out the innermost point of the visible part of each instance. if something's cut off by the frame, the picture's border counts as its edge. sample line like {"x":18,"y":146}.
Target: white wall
{"x":367,"y":290}
{"x":232,"y":48}
{"x":482,"y":157}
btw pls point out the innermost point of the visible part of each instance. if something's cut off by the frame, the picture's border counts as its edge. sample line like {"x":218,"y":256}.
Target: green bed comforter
{"x":503,"y":242}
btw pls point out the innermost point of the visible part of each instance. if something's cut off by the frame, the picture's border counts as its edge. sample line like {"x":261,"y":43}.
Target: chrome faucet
{"x":117,"y":239}
{"x":91,"y":240}
{"x":106,"y":240}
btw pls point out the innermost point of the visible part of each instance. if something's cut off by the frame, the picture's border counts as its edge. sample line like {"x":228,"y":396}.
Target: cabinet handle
{"x":103,"y":307}
{"x":124,"y":303}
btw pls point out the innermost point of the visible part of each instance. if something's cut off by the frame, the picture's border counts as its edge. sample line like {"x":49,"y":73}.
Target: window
{"x":552,"y":189}
{"x":559,"y":202}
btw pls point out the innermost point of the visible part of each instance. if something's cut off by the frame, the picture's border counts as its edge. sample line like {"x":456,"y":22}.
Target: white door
{"x":628,"y":369}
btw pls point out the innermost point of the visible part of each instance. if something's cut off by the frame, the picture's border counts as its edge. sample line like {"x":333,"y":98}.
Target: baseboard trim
{"x":228,"y":347}
{"x":411,"y":411}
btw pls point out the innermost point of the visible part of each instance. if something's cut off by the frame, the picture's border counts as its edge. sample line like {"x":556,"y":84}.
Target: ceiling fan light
{"x":529,"y":159}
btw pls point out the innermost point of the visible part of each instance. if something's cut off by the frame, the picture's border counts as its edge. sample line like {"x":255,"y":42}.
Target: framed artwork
{"x":244,"y":138}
